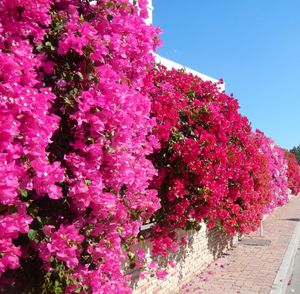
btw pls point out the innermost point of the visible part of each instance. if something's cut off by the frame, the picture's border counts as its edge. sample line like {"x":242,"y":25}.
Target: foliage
{"x":296,"y":151}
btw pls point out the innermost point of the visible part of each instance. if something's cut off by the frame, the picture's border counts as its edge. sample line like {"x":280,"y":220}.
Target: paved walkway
{"x":250,"y":269}
{"x":294,"y":283}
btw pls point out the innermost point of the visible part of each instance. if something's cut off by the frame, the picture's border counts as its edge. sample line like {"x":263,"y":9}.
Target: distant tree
{"x":296,"y":151}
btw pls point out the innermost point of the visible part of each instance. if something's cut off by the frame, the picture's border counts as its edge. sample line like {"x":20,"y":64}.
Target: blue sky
{"x":254,"y":45}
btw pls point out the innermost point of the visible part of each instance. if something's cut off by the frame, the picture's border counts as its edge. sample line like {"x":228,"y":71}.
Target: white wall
{"x":150,"y":12}
{"x":171,"y":64}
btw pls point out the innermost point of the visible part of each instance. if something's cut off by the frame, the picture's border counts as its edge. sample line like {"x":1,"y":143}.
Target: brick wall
{"x":202,"y":248}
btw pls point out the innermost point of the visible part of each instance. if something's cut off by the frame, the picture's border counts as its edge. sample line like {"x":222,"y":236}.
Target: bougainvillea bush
{"x":278,"y":170}
{"x":293,"y":173}
{"x":74,"y":140}
{"x":211,"y":166}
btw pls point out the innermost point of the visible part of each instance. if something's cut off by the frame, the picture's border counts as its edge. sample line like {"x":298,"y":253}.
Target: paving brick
{"x":249,"y":269}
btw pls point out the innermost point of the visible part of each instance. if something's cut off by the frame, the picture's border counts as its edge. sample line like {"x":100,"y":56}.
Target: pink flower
{"x":140,"y":253}
{"x":211,"y":224}
{"x":171,"y":263}
{"x":161,"y":274}
{"x":152,"y":265}
{"x":64,"y":245}
{"x":48,"y":67}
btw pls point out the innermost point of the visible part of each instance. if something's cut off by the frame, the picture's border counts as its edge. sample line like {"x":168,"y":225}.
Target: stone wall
{"x":202,"y":248}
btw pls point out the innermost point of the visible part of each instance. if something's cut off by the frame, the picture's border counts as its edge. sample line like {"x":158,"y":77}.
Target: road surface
{"x":294,"y":283}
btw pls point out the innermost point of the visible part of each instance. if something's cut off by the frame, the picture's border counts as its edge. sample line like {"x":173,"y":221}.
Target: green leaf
{"x":80,"y":75}
{"x":87,"y":182}
{"x":81,"y":18}
{"x":85,"y":288}
{"x":39,"y":48}
{"x":23,"y":194}
{"x":78,"y":290}
{"x":125,"y":247}
{"x":39,"y":220}
{"x":91,"y":78}
{"x":58,"y":27}
{"x":49,"y":44}
{"x":90,"y":140}
{"x":33,"y":235}
{"x":68,"y":101}
{"x":131,"y":255}
{"x":74,"y":91}
{"x":57,"y":287}
{"x":111,"y":150}
{"x":110,"y":4}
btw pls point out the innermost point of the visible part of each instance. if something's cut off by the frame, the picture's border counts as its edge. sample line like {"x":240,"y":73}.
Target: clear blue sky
{"x":254,"y":45}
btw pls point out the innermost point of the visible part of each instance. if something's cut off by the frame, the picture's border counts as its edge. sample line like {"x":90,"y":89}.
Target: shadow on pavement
{"x":293,"y":219}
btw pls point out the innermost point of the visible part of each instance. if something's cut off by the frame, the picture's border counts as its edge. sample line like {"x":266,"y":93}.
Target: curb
{"x":285,"y":270}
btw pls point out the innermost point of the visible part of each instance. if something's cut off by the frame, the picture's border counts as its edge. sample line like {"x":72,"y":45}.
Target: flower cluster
{"x":74,"y":137}
{"x":293,"y":173}
{"x":278,"y":168}
{"x":211,"y":166}
{"x":26,"y":125}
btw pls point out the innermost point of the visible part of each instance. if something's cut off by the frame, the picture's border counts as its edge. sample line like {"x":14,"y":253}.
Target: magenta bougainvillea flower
{"x":74,"y":140}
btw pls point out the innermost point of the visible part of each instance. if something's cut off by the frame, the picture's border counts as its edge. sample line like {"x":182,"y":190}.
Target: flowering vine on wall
{"x":96,"y":140}
{"x":209,"y":164}
{"x":74,"y":141}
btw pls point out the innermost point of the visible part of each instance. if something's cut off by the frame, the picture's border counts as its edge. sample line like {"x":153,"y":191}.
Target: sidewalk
{"x":250,"y":269}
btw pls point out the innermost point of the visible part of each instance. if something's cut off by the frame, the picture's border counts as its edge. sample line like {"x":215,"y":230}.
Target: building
{"x":171,"y":64}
